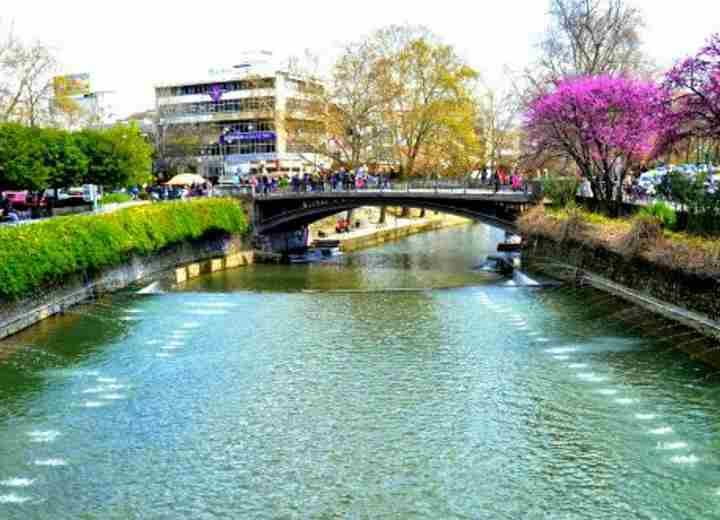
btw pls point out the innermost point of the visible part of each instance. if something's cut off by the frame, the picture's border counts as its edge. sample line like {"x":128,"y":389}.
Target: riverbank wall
{"x":396,"y":229}
{"x":175,"y":264}
{"x":688,"y":298}
{"x":50,"y":265}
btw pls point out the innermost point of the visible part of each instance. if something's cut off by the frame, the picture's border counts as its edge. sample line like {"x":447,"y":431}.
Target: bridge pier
{"x":282,"y":242}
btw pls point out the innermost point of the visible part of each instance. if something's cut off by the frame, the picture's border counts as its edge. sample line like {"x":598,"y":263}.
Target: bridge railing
{"x":531,"y":189}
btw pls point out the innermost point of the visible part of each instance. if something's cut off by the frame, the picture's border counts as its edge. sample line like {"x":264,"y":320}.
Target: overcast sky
{"x":129,"y":46}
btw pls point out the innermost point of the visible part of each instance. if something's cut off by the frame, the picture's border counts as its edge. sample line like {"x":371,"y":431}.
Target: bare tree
{"x":590,"y":37}
{"x":339,"y":117}
{"x":498,"y":124}
{"x":25,"y":80}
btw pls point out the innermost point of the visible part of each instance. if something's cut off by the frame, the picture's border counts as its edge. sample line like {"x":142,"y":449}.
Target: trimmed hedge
{"x":37,"y":255}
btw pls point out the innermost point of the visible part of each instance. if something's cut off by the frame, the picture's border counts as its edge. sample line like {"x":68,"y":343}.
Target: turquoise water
{"x":354,"y":390}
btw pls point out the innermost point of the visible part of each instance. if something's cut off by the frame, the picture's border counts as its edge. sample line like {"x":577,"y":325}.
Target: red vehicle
{"x":18,"y":199}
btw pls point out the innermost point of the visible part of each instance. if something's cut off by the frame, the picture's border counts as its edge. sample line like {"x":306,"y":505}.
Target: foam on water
{"x":94,"y":390}
{"x":645,"y":416}
{"x":685,"y":459}
{"x":170,"y":347}
{"x":577,"y":366}
{"x":591,"y":377}
{"x":113,"y":397}
{"x":663,"y":430}
{"x":134,"y":311}
{"x":114,"y":388}
{"x":626,"y":400}
{"x":12,"y":498}
{"x":17,"y":482}
{"x":562,"y":357}
{"x":191,"y":325}
{"x":130,"y":318}
{"x":161,"y":355}
{"x":607,"y":391}
{"x":44,"y":436}
{"x":93,"y":404}
{"x":542,"y":340}
{"x":106,"y":380}
{"x":153,"y":342}
{"x":670,"y":446}
{"x":52,"y":463}
{"x":561,"y":350}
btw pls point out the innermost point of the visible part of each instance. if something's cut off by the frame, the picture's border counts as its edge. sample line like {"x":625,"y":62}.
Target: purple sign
{"x":232,"y":137}
{"x":216,"y":92}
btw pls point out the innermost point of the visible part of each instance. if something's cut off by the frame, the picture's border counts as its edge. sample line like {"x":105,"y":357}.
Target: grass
{"x":641,"y":236}
{"x":44,"y":254}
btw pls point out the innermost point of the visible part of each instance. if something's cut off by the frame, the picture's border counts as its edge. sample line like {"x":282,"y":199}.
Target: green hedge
{"x":115,"y":198}
{"x":38,"y":255}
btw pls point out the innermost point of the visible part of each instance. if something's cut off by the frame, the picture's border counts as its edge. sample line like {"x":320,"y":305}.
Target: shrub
{"x":661,"y":211}
{"x":37,"y":255}
{"x":561,"y":190}
{"x":114,"y":198}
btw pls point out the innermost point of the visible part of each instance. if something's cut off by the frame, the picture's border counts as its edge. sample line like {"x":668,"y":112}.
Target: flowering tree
{"x":605,"y":125}
{"x":696,"y":81}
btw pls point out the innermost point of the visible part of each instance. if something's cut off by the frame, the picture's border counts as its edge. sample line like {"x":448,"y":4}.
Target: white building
{"x":233,"y":121}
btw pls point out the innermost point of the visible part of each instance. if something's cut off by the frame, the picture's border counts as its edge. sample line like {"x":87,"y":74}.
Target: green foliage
{"x":690,"y":193}
{"x":40,"y":158}
{"x":38,"y":255}
{"x":22,"y":161}
{"x":116,"y":198}
{"x":662,"y":212}
{"x":561,"y":190}
{"x":118,"y":157}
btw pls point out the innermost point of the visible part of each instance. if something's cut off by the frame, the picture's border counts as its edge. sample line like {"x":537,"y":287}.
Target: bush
{"x":661,"y":211}
{"x":116,"y":198}
{"x":561,"y":190}
{"x":38,"y":255}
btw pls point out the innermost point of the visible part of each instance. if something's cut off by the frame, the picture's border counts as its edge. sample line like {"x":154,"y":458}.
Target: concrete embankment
{"x":372,"y":235}
{"x":175,"y":264}
{"x":690,"y":299}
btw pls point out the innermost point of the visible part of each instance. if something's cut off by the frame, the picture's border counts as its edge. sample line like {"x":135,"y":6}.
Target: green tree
{"x":118,"y":157}
{"x":22,"y":160}
{"x":66,"y":163}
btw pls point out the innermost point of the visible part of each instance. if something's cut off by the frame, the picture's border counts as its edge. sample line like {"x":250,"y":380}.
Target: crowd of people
{"x":340,"y":180}
{"x":362,"y":178}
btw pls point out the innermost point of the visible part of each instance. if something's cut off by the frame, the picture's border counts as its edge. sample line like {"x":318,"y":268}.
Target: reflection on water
{"x":244,"y":397}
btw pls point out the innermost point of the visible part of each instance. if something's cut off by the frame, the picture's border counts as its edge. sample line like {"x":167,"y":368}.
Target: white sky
{"x":128,"y":46}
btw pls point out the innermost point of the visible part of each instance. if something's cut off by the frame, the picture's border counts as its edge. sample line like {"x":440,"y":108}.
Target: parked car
{"x":19,"y":199}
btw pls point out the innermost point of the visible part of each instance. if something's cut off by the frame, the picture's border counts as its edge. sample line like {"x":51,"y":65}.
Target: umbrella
{"x":186,"y":179}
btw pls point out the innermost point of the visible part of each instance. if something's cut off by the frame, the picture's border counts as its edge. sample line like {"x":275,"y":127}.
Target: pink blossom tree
{"x":605,"y":125}
{"x":696,"y":84}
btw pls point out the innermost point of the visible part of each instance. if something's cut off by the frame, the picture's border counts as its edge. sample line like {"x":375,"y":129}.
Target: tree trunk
{"x":422,"y":212}
{"x":383,"y":214}
{"x":405,"y":213}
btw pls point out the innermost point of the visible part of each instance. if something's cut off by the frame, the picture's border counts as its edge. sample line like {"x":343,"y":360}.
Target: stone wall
{"x":209,"y":254}
{"x":659,"y":286}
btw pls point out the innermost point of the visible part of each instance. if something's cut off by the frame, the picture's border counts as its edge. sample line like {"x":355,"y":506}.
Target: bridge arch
{"x":280,"y":214}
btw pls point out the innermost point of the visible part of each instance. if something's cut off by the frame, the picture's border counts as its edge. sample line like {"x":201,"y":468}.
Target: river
{"x":397,"y":382}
